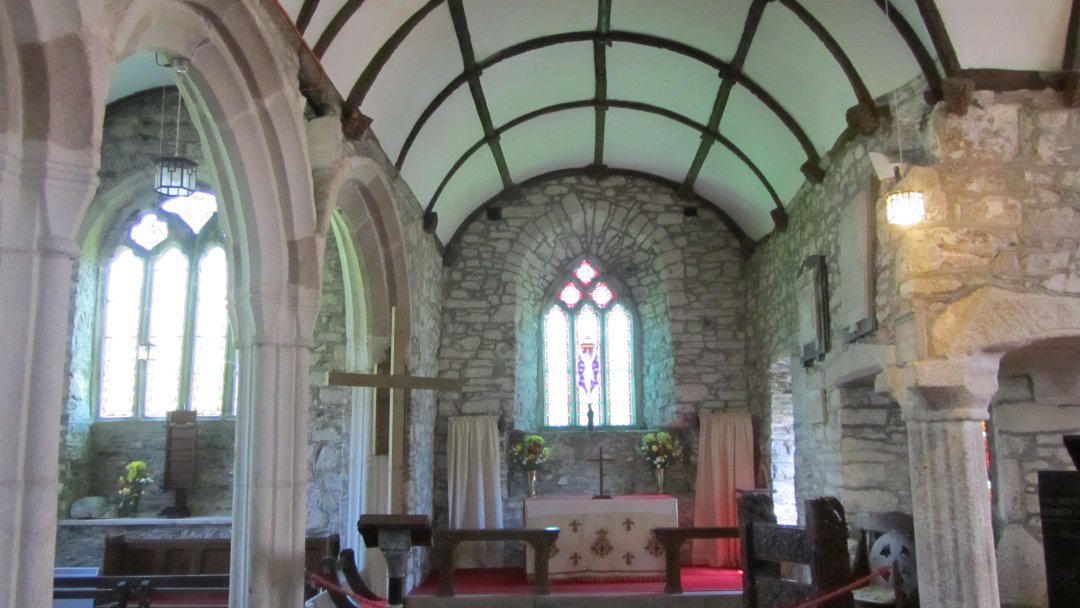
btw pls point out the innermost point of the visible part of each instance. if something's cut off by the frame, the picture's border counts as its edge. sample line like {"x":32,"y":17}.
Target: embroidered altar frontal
{"x":603,"y":539}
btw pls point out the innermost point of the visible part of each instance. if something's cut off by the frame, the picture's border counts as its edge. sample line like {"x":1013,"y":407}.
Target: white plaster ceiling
{"x":665,"y":63}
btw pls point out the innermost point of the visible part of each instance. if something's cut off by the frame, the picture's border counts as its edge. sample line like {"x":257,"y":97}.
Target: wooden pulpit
{"x":181,"y":440}
{"x":395,"y":536}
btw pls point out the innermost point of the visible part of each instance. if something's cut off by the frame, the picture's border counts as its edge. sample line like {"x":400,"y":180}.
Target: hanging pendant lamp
{"x":175,"y":175}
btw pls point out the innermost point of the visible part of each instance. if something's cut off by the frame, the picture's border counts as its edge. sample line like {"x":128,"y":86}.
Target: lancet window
{"x":588,"y":351}
{"x":164,"y":332}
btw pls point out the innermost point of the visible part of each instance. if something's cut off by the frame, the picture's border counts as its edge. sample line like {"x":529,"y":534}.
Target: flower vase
{"x":128,"y":507}
{"x":659,"y":472}
{"x":531,"y":474}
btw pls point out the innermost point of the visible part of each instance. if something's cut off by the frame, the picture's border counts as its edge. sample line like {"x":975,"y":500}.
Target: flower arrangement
{"x":530,"y":452}
{"x":131,"y":487}
{"x":660,"y":449}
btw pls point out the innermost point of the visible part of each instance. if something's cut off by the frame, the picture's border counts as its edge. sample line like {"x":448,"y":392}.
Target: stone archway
{"x":946,"y":401}
{"x":247,"y":112}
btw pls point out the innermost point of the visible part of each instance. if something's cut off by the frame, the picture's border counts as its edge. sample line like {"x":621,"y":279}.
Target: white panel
{"x":870,"y":42}
{"x":425,"y":62}
{"x":713,"y":26}
{"x":661,"y":78}
{"x":730,"y":185}
{"x":790,"y":63}
{"x":756,"y":131}
{"x":550,"y":142}
{"x":538,"y":79}
{"x":476,"y":182}
{"x":497,"y":24}
{"x":649,"y":143}
{"x":1007,"y":34}
{"x":450,"y":131}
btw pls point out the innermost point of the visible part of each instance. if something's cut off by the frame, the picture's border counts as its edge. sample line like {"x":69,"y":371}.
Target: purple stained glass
{"x":602,"y":294}
{"x":585,"y":273}
{"x":570,"y":295}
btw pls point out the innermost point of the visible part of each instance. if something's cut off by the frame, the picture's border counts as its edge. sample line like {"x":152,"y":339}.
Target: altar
{"x":605,"y":539}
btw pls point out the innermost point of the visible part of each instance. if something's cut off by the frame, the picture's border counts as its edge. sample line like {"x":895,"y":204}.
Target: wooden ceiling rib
{"x":922,"y":56}
{"x":472,"y":73}
{"x":613,"y":103}
{"x":940,"y":37}
{"x":371,"y":71}
{"x":819,"y":30}
{"x":1071,"y":60}
{"x":753,"y":19}
{"x":634,"y":38}
{"x":600,"y":44}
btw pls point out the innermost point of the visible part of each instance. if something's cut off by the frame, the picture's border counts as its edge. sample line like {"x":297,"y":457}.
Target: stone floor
{"x":713,"y":599}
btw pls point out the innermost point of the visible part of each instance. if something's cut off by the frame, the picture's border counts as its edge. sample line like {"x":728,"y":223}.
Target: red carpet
{"x":479,"y":581}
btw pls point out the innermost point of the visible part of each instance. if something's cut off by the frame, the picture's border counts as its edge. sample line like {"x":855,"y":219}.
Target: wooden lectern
{"x":395,"y":536}
{"x":181,"y":441}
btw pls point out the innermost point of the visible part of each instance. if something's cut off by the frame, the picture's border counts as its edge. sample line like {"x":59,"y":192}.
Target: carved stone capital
{"x":944,"y":390}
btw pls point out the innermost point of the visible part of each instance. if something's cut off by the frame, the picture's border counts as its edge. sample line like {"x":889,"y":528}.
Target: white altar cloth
{"x":603,"y":539}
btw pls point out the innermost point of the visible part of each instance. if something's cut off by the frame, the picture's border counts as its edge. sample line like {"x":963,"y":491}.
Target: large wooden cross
{"x":602,"y":460}
{"x":389,"y":425}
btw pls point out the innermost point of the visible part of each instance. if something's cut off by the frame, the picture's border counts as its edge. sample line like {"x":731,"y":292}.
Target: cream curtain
{"x":725,"y":464}
{"x":472,"y":455}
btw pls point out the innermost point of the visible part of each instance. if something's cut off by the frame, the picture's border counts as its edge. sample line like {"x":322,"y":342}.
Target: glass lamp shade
{"x":175,"y":176}
{"x":905,"y":207}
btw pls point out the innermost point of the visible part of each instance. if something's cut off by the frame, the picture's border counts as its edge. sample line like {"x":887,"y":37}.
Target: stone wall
{"x":331,"y":407}
{"x":824,"y":423}
{"x":78,"y":413}
{"x":685,"y":275}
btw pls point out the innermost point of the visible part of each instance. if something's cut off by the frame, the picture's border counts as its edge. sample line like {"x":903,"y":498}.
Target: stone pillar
{"x":944,"y":407}
{"x":269,"y":499}
{"x":38,"y":210}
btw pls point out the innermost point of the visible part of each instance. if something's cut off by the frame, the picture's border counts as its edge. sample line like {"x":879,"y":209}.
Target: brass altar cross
{"x":602,"y":460}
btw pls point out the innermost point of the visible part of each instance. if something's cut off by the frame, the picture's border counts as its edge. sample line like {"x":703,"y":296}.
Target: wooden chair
{"x":821,"y":545}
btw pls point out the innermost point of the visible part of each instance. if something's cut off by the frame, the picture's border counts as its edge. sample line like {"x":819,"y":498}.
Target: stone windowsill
{"x":150,"y":521}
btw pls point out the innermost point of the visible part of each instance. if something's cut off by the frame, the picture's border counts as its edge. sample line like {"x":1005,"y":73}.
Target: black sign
{"x":1059,"y":506}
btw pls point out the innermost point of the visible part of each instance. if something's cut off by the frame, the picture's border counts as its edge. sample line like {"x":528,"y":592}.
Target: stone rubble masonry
{"x":685,"y":275}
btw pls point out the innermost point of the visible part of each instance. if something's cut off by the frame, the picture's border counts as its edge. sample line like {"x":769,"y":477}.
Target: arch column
{"x":269,"y":491}
{"x":39,"y":210}
{"x":945,"y":404}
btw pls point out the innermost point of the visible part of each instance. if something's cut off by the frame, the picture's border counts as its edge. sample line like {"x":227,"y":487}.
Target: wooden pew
{"x":128,"y":556}
{"x":672,"y":540}
{"x":541,"y":539}
{"x":185,"y":591}
{"x":821,"y":545}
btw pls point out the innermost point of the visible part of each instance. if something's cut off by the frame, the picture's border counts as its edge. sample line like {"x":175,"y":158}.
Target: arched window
{"x":165,"y":341}
{"x":588,"y":338}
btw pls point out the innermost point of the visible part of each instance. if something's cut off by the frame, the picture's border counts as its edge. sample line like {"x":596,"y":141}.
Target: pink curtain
{"x":725,"y":464}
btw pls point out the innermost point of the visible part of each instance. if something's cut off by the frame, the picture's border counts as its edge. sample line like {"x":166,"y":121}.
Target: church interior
{"x":271,"y":266}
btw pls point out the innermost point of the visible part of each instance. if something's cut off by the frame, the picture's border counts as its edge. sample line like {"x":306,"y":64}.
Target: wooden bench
{"x":129,"y":556}
{"x":821,"y":545}
{"x":541,"y":539}
{"x":672,"y":540}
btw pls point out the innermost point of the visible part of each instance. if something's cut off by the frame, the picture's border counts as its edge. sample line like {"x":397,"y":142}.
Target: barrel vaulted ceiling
{"x":734,"y":102}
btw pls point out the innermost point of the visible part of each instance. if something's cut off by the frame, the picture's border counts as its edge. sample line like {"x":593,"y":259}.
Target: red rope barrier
{"x":856,"y":584}
{"x":319,"y":581}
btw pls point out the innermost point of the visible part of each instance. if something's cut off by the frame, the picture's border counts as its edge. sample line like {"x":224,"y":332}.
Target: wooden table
{"x":603,"y":539}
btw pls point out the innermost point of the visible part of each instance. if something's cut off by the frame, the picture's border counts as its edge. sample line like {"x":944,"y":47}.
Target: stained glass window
{"x":165,"y":325}
{"x":588,"y":340}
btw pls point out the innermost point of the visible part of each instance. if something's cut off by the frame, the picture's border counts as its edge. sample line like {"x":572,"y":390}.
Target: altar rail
{"x":672,"y":539}
{"x":541,"y":539}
